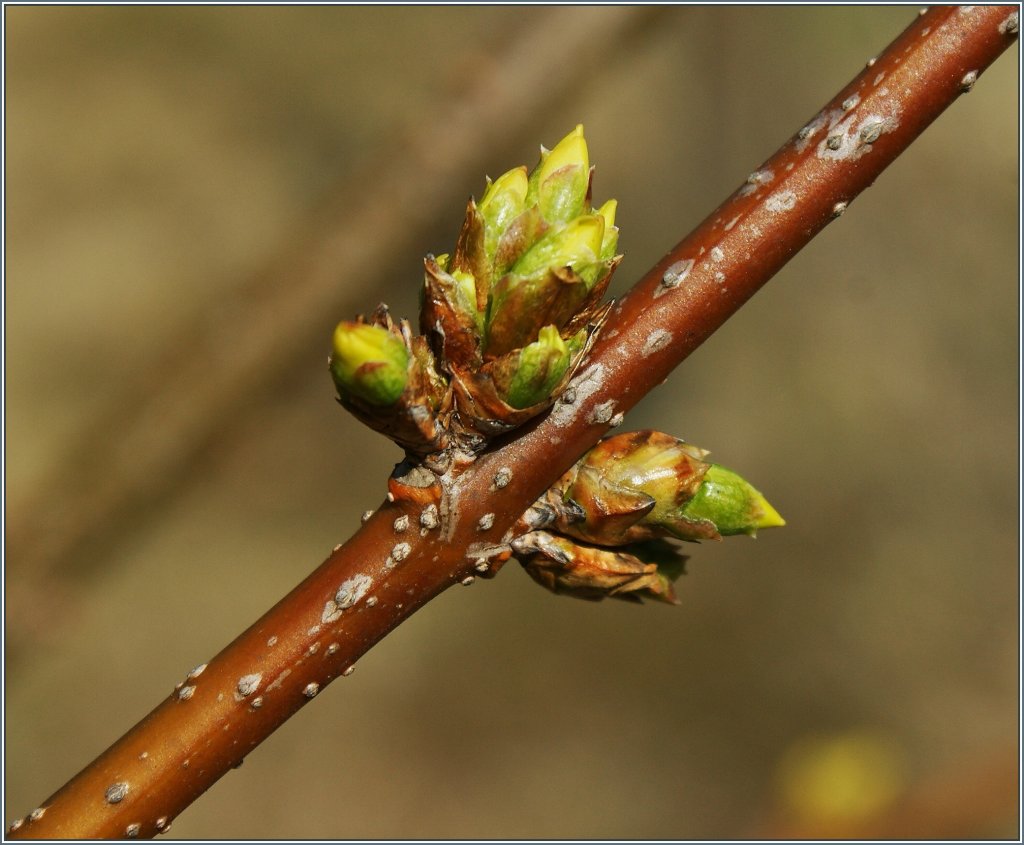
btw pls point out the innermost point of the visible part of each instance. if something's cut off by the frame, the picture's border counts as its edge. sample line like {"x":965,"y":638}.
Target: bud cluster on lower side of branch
{"x":601,"y":529}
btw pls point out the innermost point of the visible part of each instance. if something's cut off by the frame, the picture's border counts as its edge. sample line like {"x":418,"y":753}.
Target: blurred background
{"x":196,"y":195}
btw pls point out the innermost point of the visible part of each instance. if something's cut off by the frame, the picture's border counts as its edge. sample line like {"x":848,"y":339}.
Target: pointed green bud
{"x":564,"y":179}
{"x":541,"y":366}
{"x":369,"y":362}
{"x":645,"y":484}
{"x":611,"y":233}
{"x":731,"y":503}
{"x":575,"y":245}
{"x":558,"y":185}
{"x":503,"y":201}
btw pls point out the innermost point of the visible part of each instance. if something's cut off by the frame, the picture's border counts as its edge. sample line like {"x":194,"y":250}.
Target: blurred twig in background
{"x":209,"y":374}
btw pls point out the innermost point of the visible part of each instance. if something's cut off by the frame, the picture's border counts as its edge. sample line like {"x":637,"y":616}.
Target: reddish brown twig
{"x":218,"y":715}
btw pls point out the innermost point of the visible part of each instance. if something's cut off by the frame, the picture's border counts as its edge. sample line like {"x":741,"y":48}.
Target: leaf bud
{"x":731,"y":503}
{"x":540,"y":366}
{"x":502,"y":202}
{"x":559,"y":183}
{"x":369,"y":362}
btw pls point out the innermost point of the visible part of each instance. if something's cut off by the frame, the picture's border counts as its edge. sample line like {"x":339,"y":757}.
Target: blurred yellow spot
{"x":843,"y":778}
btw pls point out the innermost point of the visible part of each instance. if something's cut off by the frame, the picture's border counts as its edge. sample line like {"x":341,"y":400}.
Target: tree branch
{"x":217,"y":715}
